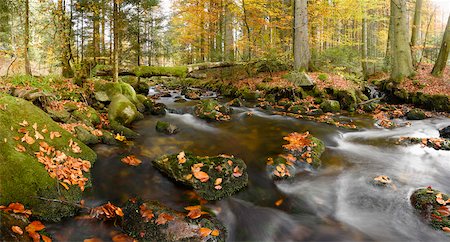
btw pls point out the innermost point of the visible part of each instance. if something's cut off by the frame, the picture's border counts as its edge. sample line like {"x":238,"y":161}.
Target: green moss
{"x":87,"y":115}
{"x":149,"y":71}
{"x":9,"y":220}
{"x":330,"y":106}
{"x":179,"y":228}
{"x":166,"y":127}
{"x":416,"y":114}
{"x":85,"y":136}
{"x":23,"y":178}
{"x":211,"y":110}
{"x":424,"y":200}
{"x":215,"y":167}
{"x":122,"y":110}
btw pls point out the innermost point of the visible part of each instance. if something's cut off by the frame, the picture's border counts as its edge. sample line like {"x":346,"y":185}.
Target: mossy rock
{"x":426,"y":201}
{"x":166,"y":127}
{"x":347,"y":98}
{"x":297,"y":109}
{"x":85,"y":136}
{"x":122,"y":110}
{"x":9,"y":220}
{"x":287,"y":165}
{"x":149,"y":71}
{"x":331,"y":106}
{"x":176,"y":227}
{"x":300,"y":78}
{"x":158,"y":109}
{"x":249,"y":95}
{"x":211,"y":110}
{"x":445,"y":132}
{"x":232,"y":171}
{"x":237,"y":102}
{"x":87,"y":115}
{"x":108,"y":138}
{"x":23,"y":178}
{"x":415,"y":114}
{"x":58,"y":115}
{"x":370,"y":107}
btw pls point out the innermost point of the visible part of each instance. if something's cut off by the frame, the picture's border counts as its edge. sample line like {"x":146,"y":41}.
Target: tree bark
{"x":248,"y":55}
{"x":27,"y":38}
{"x":64,"y":36}
{"x":116,"y":41}
{"x":441,"y":61}
{"x":364,"y":47}
{"x":229,"y":38}
{"x":96,"y":31}
{"x":415,"y":36}
{"x":401,"y":62}
{"x":302,"y":54}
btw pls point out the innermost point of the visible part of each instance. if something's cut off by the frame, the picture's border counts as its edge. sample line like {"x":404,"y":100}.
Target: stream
{"x":338,"y":202}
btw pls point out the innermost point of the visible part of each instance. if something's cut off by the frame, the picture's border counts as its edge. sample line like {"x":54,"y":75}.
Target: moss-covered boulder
{"x":302,"y":153}
{"x":212,"y":178}
{"x":445,"y":132}
{"x":415,"y":114}
{"x":23,"y":178}
{"x":122,"y":110}
{"x":87,"y":115}
{"x":300,"y":78}
{"x":434,"y":207}
{"x":7,"y":221}
{"x":152,"y":221}
{"x":211,"y":110}
{"x":237,"y":102}
{"x":85,"y":136}
{"x":331,"y":106}
{"x":347,"y":98}
{"x":166,"y":127}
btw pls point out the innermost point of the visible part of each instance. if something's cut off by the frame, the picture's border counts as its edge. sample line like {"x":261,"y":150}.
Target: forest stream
{"x":337,"y":202}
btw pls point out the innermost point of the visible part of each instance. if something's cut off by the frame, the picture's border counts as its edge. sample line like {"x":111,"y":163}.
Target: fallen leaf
{"x":122,"y":238}
{"x":181,"y":157}
{"x":446,"y":229}
{"x":204,"y":232}
{"x":202,"y":176}
{"x":237,"y":172}
{"x":46,"y":238}
{"x":64,"y":185}
{"x":279,"y":202}
{"x":35,"y":236}
{"x":35,"y":226}
{"x":194,"y":211}
{"x":146,"y":213}
{"x":93,"y":240}
{"x":163,"y":218}
{"x":27,"y":139}
{"x":443,"y":211}
{"x":120,"y":137}
{"x":218,"y":181}
{"x":131,"y":160}
{"x":34,"y":126}
{"x":38,"y":135}
{"x":17,"y":230}
{"x":20,"y":148}
{"x":218,"y":187}
{"x":24,"y":123}
{"x":54,"y":134}
{"x":215,"y":233}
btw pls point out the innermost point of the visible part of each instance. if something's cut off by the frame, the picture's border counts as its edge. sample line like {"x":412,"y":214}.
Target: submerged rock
{"x":152,"y":221}
{"x":237,"y":102}
{"x":210,"y":110}
{"x":303,"y":152}
{"x":24,"y":178}
{"x":416,"y":114}
{"x":166,"y":127}
{"x":433,"y":206}
{"x":331,"y":106}
{"x":212,"y":178}
{"x":445,"y":132}
{"x":158,"y":109}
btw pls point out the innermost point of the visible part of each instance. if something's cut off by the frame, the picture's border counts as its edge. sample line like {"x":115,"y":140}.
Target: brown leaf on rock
{"x":34,"y":227}
{"x":146,"y":213}
{"x":181,"y":157}
{"x":122,"y":238}
{"x":38,"y":135}
{"x":35,"y":236}
{"x":204,"y":232}
{"x":28,"y":139}
{"x":131,"y":160}
{"x":24,"y":123}
{"x":17,"y":230}
{"x":20,"y":148}
{"x":202,"y":176}
{"x":297,"y":142}
{"x":215,"y":233}
{"x":443,"y":211}
{"x":163,"y":218}
{"x":218,"y":181}
{"x":46,"y":238}
{"x":54,"y":134}
{"x":194,"y":211}
{"x":446,"y":229}
{"x":106,"y":211}
{"x":237,"y":172}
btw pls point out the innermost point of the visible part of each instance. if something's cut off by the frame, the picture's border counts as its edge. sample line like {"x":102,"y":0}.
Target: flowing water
{"x":336,"y":203}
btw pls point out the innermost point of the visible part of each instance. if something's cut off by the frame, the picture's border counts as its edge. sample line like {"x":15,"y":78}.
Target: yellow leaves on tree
{"x":131,"y":160}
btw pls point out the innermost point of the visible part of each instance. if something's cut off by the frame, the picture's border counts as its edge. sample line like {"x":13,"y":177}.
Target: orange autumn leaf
{"x":122,"y":238}
{"x":35,"y":226}
{"x":202,"y":176}
{"x":443,"y":211}
{"x":237,"y":172}
{"x":106,"y":211}
{"x":54,"y":134}
{"x":17,"y":230}
{"x":446,"y":229}
{"x":279,"y":202}
{"x":297,"y":141}
{"x":46,"y":238}
{"x":204,"y":232}
{"x":218,"y":181}
{"x":163,"y":218}
{"x":20,"y":148}
{"x":181,"y":157}
{"x":215,"y":233}
{"x":146,"y":213}
{"x":28,"y":139}
{"x":35,"y":236}
{"x":131,"y":160}
{"x":24,"y":123}
{"x":93,"y":240}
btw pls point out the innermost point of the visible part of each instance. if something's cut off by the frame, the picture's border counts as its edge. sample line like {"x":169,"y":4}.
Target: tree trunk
{"x":388,"y":54}
{"x":248,"y":55}
{"x":116,"y":41}
{"x":229,"y":39}
{"x":64,"y":36}
{"x":401,"y":62}
{"x":96,"y":31}
{"x":302,"y":55}
{"x":441,"y":61}
{"x":415,"y":36}
{"x":364,"y":47}
{"x":138,"y":35}
{"x":103,"y":23}
{"x":27,"y":38}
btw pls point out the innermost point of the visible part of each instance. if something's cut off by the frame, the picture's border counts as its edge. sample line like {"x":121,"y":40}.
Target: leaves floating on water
{"x":131,"y":160}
